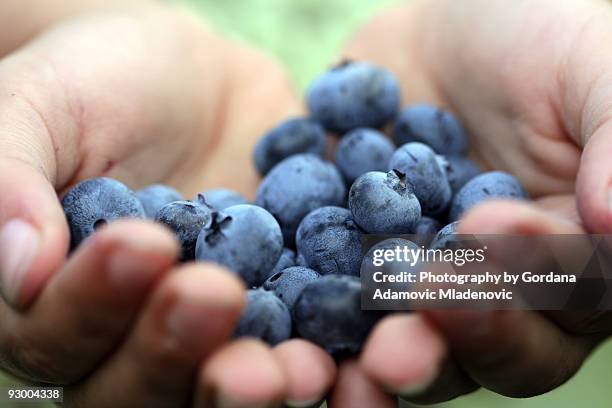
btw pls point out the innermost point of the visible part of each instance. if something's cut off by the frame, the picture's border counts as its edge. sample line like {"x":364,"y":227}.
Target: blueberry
{"x":221,"y":198}
{"x":446,"y":237}
{"x":265,"y":317}
{"x":286,"y":260}
{"x":427,"y":226}
{"x":328,"y":313}
{"x":244,"y":238}
{"x":425,"y":230}
{"x":186,"y":219}
{"x":363,"y":150}
{"x":295,"y":187}
{"x":487,"y":186}
{"x":423,"y":171}
{"x":368,"y":267}
{"x":330,"y":241}
{"x":301,"y":261}
{"x":459,"y":170}
{"x":294,"y":136}
{"x":384,"y":203}
{"x":154,"y":197}
{"x":289,"y":283}
{"x":353,"y":95}
{"x":95,"y":202}
{"x":437,"y":128}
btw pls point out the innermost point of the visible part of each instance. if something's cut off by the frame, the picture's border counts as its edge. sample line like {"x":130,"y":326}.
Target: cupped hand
{"x":531,"y":82}
{"x":144,"y":93}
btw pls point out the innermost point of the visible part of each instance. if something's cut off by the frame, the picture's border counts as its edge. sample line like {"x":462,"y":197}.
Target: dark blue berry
{"x":95,"y":202}
{"x":186,"y":219}
{"x":222,"y":198}
{"x":294,"y":136}
{"x":244,"y":238}
{"x":330,"y":241}
{"x":353,"y":95}
{"x":154,"y":197}
{"x":361,"y":151}
{"x":435,"y":127}
{"x":295,"y":187}
{"x":289,"y":283}
{"x":487,"y":186}
{"x":328,"y":313}
{"x":265,"y":317}
{"x":384,"y":203}
{"x":422,"y":169}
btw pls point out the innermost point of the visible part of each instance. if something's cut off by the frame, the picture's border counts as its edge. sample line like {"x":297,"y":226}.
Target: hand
{"x":529,"y":79}
{"x":143,"y":93}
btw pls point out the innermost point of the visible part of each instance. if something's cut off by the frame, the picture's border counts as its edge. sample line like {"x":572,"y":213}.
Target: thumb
{"x":33,"y":231}
{"x":594,"y":183}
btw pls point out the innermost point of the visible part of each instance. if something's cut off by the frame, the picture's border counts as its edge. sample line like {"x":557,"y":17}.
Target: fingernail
{"x":315,"y":402}
{"x":223,"y":401}
{"x":19,"y":244}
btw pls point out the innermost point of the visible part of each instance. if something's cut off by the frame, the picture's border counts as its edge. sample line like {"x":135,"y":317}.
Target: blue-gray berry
{"x":353,"y":95}
{"x":95,"y":202}
{"x":363,"y":150}
{"x":293,"y":136}
{"x":330,"y":241}
{"x":435,"y":127}
{"x":265,"y":317}
{"x":244,"y":238}
{"x":384,"y":203}
{"x":295,"y":187}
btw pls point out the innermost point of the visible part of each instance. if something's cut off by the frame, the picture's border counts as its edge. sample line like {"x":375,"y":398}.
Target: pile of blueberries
{"x":298,"y":247}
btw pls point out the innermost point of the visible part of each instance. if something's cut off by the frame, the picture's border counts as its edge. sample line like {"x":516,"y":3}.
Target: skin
{"x":541,"y":113}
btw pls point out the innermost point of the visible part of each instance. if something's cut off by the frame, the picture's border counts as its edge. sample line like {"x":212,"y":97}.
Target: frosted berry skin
{"x":328,"y":313}
{"x":384,"y":203}
{"x":361,"y":151}
{"x":154,"y":197}
{"x":186,"y":219}
{"x":222,"y":198}
{"x":295,"y":187}
{"x":459,"y":170}
{"x":286,"y":260}
{"x":289,"y":283}
{"x":353,"y":95}
{"x":422,"y":169}
{"x":485,"y":187}
{"x":330,"y":241}
{"x":95,"y":202}
{"x":446,"y":237}
{"x":265,"y":317}
{"x":435,"y":127}
{"x":244,"y":238}
{"x":425,"y":230}
{"x":294,"y":136}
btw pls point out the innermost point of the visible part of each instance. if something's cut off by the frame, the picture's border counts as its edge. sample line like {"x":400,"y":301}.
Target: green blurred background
{"x":306,"y":36}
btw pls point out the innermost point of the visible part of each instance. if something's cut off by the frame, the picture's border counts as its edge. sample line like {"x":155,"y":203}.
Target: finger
{"x":20,"y":24}
{"x":407,"y":356}
{"x":189,"y":315}
{"x":514,"y":353}
{"x":245,"y":373}
{"x":515,"y":217}
{"x":310,"y":372}
{"x":85,"y":311}
{"x":354,"y":389}
{"x":594,"y":182}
